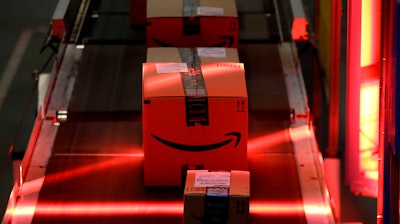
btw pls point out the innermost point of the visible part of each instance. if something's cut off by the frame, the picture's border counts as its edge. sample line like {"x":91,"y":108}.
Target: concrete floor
{"x":23,"y":28}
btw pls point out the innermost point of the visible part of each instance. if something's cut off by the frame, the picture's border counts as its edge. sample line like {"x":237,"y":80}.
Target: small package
{"x":217,"y":197}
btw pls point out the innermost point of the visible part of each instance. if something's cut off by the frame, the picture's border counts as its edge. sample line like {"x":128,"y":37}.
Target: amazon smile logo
{"x":233,"y":137}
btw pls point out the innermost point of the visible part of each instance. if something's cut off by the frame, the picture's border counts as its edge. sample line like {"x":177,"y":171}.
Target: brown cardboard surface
{"x":221,"y":80}
{"x":240,"y":183}
{"x":171,"y":54}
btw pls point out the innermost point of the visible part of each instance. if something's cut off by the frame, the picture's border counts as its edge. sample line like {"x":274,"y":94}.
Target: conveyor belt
{"x":95,"y":170}
{"x":96,"y":164}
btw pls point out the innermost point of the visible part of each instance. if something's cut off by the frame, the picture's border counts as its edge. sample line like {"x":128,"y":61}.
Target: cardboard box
{"x":193,"y":119}
{"x":183,"y":23}
{"x":217,"y":197}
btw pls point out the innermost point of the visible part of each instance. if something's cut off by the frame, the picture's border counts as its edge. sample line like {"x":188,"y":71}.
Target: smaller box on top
{"x":192,"y":23}
{"x":217,"y":197}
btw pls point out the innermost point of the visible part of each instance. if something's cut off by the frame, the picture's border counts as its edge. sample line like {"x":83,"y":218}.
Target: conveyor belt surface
{"x":95,"y":172}
{"x":95,"y":175}
{"x":266,"y":86}
{"x":109,"y":79}
{"x":275,"y":189}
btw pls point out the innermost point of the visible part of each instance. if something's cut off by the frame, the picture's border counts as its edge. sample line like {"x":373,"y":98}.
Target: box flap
{"x":174,"y":8}
{"x":240,"y":183}
{"x":159,"y":84}
{"x":222,"y":79}
{"x":163,"y":54}
{"x":162,"y":8}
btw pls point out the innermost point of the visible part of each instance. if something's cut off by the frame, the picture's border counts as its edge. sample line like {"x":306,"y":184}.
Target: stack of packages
{"x":195,"y":108}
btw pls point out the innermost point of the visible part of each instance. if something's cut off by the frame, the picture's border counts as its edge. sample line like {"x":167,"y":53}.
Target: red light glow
{"x":286,"y":208}
{"x":275,"y":208}
{"x":369,"y":89}
{"x":370,"y":26}
{"x":102,"y":209}
{"x":259,"y":144}
{"x":155,"y":208}
{"x":369,"y":128}
{"x":299,"y":29}
{"x":300,"y":133}
{"x":117,"y":160}
{"x":363,"y":95}
{"x":163,"y":81}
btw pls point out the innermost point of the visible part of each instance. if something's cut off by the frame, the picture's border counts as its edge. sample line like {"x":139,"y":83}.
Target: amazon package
{"x":217,"y":197}
{"x":194,"y":116}
{"x":188,"y":23}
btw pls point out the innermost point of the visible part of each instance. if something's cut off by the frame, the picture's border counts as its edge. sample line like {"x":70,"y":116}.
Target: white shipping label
{"x":171,"y":67}
{"x":212,"y":179}
{"x":215,"y":52}
{"x":210,"y":11}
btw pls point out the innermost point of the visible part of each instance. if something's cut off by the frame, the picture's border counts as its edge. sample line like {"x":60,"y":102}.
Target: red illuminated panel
{"x":369,"y":89}
{"x":369,"y":128}
{"x":370,"y":27}
{"x":363,"y":96}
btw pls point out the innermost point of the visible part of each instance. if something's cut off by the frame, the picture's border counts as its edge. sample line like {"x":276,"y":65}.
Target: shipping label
{"x":171,"y":67}
{"x":215,"y":52}
{"x":212,"y":179}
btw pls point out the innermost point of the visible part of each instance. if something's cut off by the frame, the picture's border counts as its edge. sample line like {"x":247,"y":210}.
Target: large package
{"x":192,"y":23}
{"x":194,"y":116}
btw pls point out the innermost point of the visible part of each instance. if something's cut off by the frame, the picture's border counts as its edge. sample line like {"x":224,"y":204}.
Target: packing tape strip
{"x":190,"y":8}
{"x":195,"y":89}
